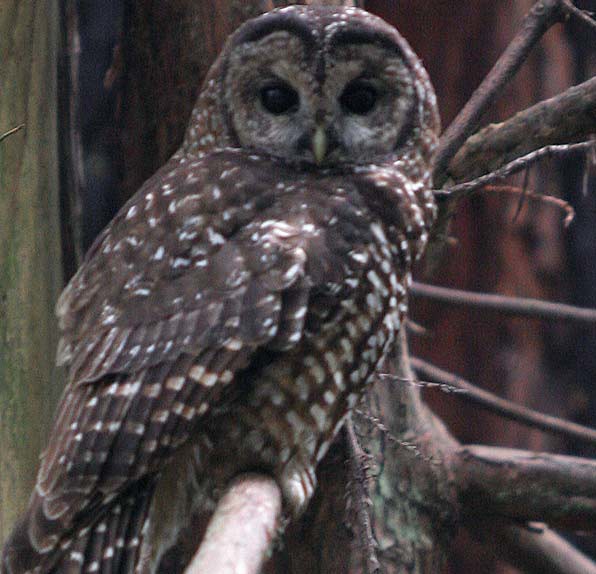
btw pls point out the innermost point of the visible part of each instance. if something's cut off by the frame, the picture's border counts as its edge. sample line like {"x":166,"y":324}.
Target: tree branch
{"x":581,"y":15}
{"x":566,"y":118}
{"x":517,"y":306}
{"x":242,"y":530}
{"x":527,"y":486}
{"x":543,"y":15}
{"x":11,"y":131}
{"x":537,"y":552}
{"x":521,"y":163}
{"x":503,"y":407}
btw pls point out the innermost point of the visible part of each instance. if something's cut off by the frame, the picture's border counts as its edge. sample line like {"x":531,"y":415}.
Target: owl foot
{"x":298,"y":482}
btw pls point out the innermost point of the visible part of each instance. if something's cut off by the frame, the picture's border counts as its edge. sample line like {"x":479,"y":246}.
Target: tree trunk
{"x":30,"y":256}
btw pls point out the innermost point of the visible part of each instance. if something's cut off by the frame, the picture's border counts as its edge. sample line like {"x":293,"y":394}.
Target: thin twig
{"x":516,"y":306}
{"x":524,"y":194}
{"x":590,"y":161}
{"x":377,"y":424}
{"x":361,"y":500}
{"x":543,"y":15}
{"x":444,"y":387}
{"x":556,"y":202}
{"x":519,"y":164}
{"x":582,"y":15}
{"x":503,"y":407}
{"x":12,"y":131}
{"x":242,"y":530}
{"x":417,"y":329}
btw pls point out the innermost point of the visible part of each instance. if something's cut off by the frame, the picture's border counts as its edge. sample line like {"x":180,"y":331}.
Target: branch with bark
{"x":515,"y":306}
{"x":568,"y":117}
{"x":538,"y":550}
{"x":242,"y":529}
{"x":503,"y":407}
{"x":524,"y":486}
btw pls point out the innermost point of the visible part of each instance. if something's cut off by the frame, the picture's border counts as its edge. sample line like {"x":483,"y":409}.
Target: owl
{"x":234,"y":310}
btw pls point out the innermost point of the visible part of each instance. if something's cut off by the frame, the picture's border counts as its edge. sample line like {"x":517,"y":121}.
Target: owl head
{"x":318,"y":86}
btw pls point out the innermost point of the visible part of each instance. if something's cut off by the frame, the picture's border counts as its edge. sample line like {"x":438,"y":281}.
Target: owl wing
{"x":192,"y":277}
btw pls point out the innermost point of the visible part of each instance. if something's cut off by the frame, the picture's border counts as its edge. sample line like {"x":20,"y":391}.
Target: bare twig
{"x":417,"y":329}
{"x":516,"y":306}
{"x":515,"y":166}
{"x":581,"y":15}
{"x":527,"y":486}
{"x":377,"y":424}
{"x":503,"y":407}
{"x":361,"y":501}
{"x":420,"y":384}
{"x":240,"y":533}
{"x":524,"y":194}
{"x":567,"y":117}
{"x":541,"y":17}
{"x":12,"y":131}
{"x":543,"y":552}
{"x":590,"y":162}
{"x":556,"y":202}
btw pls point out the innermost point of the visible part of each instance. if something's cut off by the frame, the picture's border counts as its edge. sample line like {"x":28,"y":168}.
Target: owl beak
{"x":319,"y":145}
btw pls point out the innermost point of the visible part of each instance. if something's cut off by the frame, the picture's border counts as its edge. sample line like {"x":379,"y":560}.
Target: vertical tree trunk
{"x":30,"y":258}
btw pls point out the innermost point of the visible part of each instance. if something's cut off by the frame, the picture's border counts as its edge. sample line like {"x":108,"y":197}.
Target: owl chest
{"x":359,"y":321}
{"x":297,"y":402}
{"x":344,"y":344}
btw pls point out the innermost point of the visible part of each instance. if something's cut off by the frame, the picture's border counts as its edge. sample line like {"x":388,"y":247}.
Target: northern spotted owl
{"x":233,"y":312}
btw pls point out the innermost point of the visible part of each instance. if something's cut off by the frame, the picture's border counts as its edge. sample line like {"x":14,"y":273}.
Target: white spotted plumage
{"x":234,"y":310}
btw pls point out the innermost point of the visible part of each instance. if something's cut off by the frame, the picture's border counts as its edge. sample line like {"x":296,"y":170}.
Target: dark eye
{"x":359,"y":97}
{"x":279,"y":98}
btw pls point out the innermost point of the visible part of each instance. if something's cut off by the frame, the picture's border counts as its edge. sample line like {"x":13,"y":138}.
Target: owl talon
{"x":298,"y":483}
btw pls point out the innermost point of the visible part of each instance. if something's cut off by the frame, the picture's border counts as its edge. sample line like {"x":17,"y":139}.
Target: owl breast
{"x":339,"y":322}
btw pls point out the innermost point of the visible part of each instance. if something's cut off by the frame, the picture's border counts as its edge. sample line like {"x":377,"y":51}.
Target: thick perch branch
{"x":568,"y":117}
{"x":527,"y":486}
{"x":542,"y":552}
{"x":239,"y":536}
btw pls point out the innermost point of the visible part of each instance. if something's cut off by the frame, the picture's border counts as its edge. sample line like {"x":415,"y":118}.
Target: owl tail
{"x":110,"y":545}
{"x":19,"y":555}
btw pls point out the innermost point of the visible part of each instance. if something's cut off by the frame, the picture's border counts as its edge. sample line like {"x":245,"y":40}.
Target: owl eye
{"x":279,"y":98}
{"x":359,"y":97}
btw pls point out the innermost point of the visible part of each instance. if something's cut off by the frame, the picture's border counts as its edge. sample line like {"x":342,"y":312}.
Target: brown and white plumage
{"x":231,"y":314}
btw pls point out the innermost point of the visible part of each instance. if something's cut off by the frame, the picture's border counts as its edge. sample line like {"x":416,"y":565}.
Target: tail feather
{"x":111,"y":544}
{"x":19,"y":555}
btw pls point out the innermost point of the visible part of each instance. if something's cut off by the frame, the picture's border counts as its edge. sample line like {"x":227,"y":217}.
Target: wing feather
{"x":127,"y":374}
{"x":158,"y":321}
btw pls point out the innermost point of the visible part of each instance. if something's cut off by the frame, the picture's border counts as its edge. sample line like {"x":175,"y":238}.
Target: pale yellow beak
{"x":319,"y":145}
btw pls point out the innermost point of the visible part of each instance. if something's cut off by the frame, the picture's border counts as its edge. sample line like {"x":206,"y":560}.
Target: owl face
{"x":319,"y":86}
